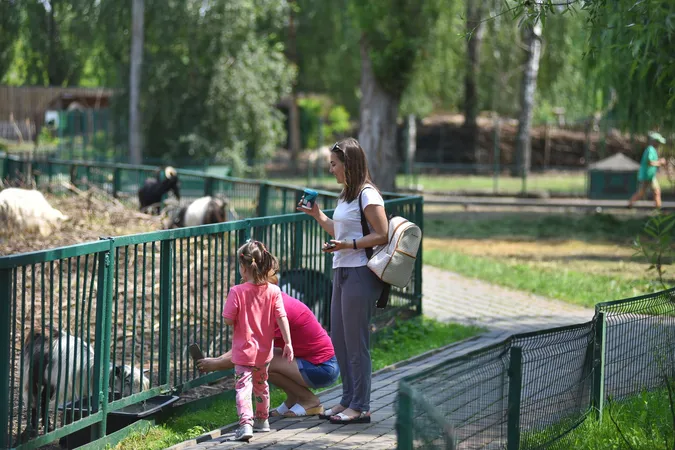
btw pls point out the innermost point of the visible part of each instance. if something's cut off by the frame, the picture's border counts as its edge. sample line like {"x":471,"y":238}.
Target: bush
{"x":315,"y":108}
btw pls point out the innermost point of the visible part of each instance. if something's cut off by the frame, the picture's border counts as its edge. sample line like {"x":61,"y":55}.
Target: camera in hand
{"x":329,"y":245}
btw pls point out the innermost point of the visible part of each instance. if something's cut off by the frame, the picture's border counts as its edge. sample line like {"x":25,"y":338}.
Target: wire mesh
{"x":53,"y":311}
{"x":640,"y":337}
{"x":466,"y":401}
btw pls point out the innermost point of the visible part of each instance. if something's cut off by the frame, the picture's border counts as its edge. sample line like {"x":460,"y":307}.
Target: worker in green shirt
{"x":649,"y":165}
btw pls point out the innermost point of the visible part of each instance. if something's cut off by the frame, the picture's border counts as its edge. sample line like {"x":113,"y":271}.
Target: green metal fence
{"x":140,"y":300}
{"x":531,"y":390}
{"x":248,"y":197}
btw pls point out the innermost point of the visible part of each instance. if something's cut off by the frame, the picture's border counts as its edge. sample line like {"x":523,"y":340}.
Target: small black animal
{"x":312,"y":287}
{"x":153,"y":189}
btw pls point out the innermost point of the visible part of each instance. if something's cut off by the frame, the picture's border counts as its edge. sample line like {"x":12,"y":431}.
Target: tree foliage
{"x":10,"y":21}
{"x":397,"y":32}
{"x":630,"y":47}
{"x":56,"y":40}
{"x":213,"y":73}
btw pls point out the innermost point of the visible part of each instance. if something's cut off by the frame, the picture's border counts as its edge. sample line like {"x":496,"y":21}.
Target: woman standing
{"x":355,"y":288}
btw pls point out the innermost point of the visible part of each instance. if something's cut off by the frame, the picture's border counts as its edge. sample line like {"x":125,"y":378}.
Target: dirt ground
{"x":91,"y":216}
{"x":42,"y":296}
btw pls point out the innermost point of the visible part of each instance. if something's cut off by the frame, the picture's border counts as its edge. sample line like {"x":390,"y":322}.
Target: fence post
{"x":208,"y":186}
{"x":5,"y":342}
{"x":296,"y":257}
{"x":50,"y":175}
{"x":600,"y":334}
{"x":513,"y":408}
{"x":263,"y":194}
{"x":73,"y":174}
{"x":496,"y":156}
{"x":242,"y":236}
{"x":419,"y":220}
{"x":404,"y":417}
{"x":165,"y":283}
{"x":102,"y":339}
{"x":117,"y":181}
{"x":587,"y":155}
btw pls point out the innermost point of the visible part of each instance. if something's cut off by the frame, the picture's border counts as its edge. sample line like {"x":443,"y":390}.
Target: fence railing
{"x":531,"y":390}
{"x":138,"y":301}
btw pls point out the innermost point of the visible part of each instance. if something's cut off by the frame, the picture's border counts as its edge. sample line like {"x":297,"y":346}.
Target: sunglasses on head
{"x":336,"y":146}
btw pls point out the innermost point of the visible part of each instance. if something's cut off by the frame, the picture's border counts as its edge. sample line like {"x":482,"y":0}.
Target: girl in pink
{"x":252,"y":308}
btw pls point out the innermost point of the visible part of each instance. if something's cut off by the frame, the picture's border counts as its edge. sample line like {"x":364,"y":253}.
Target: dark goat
{"x":312,"y":287}
{"x":203,"y":211}
{"x":57,"y":363}
{"x":153,"y":189}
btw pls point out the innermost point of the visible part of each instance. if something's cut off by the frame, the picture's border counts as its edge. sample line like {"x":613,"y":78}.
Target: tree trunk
{"x":52,"y":62}
{"x":529,"y":87}
{"x":475,"y":28}
{"x":293,"y":112}
{"x":377,"y":132}
{"x":136,"y":61}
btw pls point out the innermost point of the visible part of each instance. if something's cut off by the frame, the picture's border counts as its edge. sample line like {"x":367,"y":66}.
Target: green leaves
{"x":9,"y":30}
{"x":655,"y":243}
{"x":395,"y":31}
{"x":630,"y":49}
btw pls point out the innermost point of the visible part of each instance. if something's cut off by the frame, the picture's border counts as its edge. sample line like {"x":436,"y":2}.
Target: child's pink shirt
{"x":254,"y":308}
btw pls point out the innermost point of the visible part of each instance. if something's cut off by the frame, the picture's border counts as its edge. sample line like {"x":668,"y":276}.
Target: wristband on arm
{"x":354,"y":241}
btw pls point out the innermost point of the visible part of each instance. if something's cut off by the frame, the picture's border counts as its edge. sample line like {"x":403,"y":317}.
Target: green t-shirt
{"x":647,"y":171}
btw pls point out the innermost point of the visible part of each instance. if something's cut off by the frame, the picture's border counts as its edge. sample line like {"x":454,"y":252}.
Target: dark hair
{"x":258,"y":261}
{"x":350,"y":153}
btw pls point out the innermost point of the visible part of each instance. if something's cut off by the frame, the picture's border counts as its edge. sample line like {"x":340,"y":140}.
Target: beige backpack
{"x":394,"y":262}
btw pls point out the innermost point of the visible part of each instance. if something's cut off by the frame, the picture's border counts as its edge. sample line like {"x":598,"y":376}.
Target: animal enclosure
{"x":140,"y":300}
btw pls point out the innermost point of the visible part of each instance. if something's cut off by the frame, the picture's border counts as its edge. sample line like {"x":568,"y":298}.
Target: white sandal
{"x":298,"y":410}
{"x":279,"y":410}
{"x":327,"y":414}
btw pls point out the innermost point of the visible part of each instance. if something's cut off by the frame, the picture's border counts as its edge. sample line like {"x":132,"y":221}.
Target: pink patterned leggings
{"x":247,"y":379}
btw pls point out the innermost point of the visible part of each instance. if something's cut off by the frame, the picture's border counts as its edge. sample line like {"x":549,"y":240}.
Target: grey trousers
{"x":355,"y":291}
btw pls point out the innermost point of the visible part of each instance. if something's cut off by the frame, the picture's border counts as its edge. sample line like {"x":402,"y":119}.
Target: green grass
{"x":534,"y":226}
{"x":645,"y":421}
{"x":402,"y":341}
{"x":563,"y":183}
{"x":415,"y":336}
{"x":574,"y":287}
{"x":573,"y":183}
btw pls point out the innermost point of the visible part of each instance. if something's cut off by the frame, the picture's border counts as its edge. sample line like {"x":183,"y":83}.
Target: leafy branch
{"x":656,"y":244}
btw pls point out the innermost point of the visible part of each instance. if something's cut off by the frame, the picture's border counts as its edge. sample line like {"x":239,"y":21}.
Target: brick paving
{"x":447,"y":297}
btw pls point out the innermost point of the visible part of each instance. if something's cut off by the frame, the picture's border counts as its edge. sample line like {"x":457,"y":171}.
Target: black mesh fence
{"x":532,"y":390}
{"x":640,"y":343}
{"x":511,"y":395}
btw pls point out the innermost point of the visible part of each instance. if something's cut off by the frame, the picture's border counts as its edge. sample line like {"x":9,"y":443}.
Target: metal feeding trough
{"x":116,"y":420}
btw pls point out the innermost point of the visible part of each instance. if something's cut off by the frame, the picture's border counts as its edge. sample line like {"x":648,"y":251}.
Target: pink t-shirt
{"x":310,"y":340}
{"x":254,"y":308}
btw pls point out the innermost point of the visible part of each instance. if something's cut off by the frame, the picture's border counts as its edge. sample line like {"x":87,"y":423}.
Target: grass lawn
{"x":645,"y":421}
{"x":571,"y":183}
{"x":577,"y":257}
{"x":402,"y":341}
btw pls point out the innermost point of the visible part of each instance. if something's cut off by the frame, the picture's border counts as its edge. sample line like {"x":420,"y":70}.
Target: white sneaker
{"x":244,"y":433}
{"x":261,"y":425}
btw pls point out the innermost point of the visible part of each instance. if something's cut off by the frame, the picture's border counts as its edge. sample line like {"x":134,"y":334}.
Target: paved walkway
{"x":447,"y":297}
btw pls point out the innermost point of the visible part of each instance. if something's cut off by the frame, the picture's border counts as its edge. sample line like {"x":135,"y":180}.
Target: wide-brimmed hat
{"x":657,"y":137}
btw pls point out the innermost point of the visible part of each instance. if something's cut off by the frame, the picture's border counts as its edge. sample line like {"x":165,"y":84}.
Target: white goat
{"x":53,"y":359}
{"x":28,"y":210}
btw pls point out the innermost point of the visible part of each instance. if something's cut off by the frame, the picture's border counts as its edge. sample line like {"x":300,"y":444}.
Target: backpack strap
{"x":364,"y":223}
